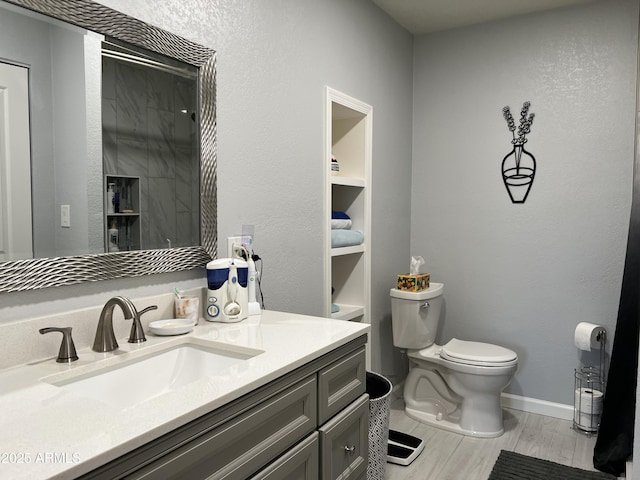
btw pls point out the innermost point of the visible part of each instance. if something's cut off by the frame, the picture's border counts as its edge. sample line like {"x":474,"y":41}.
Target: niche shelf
{"x":348,"y":138}
{"x":336,"y":252}
{"x":126,"y":216}
{"x":347,"y":181}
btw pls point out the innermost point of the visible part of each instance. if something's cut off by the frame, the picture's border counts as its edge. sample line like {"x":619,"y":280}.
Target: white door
{"x":15,"y":164}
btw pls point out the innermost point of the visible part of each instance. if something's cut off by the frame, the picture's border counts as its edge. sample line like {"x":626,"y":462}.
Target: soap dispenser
{"x":113,"y":237}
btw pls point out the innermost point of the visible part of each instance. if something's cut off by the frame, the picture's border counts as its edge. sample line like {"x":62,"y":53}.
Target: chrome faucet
{"x":105,"y":340}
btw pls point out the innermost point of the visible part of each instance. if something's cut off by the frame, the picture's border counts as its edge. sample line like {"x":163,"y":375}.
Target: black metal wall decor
{"x":519,"y":166}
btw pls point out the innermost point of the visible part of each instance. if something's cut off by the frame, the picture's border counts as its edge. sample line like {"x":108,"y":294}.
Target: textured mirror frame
{"x":32,"y":274}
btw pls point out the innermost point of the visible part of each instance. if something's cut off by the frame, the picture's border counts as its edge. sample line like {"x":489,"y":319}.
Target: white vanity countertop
{"x":47,"y":432}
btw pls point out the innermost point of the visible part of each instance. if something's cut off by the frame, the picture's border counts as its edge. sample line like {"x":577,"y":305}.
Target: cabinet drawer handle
{"x":350,"y":450}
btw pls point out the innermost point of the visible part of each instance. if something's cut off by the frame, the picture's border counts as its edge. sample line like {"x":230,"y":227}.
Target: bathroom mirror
{"x":129,"y":35}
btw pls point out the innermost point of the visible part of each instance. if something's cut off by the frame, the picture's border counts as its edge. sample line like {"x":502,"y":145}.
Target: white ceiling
{"x":425,"y":16}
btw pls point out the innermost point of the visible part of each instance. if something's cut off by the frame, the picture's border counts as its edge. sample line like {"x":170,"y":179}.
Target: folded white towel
{"x":340,"y":224}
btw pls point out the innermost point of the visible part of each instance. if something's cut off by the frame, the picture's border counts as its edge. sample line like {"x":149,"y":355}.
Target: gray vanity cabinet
{"x":234,"y":449}
{"x":344,"y":442}
{"x":299,"y":463}
{"x":340,"y":383}
{"x":310,"y":423}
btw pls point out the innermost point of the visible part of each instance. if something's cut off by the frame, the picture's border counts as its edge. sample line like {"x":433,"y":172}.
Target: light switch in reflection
{"x":65,"y":216}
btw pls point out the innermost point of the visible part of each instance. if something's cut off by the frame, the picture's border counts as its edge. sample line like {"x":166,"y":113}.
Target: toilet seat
{"x":478,"y":353}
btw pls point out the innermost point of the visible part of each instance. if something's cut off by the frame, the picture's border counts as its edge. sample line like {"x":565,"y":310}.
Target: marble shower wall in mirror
{"x":150,"y":152}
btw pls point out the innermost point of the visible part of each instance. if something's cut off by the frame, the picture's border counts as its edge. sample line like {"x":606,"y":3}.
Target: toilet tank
{"x":415,"y":316}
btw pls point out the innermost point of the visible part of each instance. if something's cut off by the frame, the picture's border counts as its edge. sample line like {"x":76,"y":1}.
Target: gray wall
{"x":69,"y":121}
{"x":524,"y":276}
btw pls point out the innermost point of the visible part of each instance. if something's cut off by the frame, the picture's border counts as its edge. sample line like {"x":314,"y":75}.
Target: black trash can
{"x":379,"y":390}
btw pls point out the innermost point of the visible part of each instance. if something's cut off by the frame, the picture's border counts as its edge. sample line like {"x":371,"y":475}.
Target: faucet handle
{"x":137,"y":333}
{"x":67,"y":353}
{"x":148,"y":309}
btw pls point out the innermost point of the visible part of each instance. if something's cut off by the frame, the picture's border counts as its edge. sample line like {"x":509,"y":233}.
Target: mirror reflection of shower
{"x":150,"y":148}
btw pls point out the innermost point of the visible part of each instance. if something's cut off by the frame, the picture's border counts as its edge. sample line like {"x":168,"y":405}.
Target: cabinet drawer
{"x":344,"y":443}
{"x":341,"y":383}
{"x":299,"y":463}
{"x":239,"y":448}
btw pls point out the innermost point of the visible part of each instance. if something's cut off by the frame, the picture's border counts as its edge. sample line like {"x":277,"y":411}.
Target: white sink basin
{"x":140,"y":379}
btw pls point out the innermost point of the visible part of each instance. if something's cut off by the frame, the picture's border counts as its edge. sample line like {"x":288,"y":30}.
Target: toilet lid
{"x":477,"y":353}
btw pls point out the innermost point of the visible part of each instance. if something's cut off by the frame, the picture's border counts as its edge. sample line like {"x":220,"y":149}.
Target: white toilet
{"x":455,"y":386}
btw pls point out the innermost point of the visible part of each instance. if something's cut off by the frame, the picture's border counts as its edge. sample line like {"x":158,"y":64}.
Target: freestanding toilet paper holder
{"x":589,"y":393}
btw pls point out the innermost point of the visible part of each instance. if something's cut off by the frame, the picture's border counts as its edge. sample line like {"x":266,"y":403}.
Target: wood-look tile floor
{"x":450,"y":456}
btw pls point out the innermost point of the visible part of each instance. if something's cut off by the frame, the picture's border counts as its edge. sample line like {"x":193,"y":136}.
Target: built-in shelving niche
{"x":348,"y":138}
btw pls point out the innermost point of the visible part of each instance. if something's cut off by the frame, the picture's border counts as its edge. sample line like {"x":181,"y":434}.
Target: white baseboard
{"x":517,"y":402}
{"x":534,"y":405}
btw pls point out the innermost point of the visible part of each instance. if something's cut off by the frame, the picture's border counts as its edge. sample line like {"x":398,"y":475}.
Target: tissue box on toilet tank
{"x":413,"y":283}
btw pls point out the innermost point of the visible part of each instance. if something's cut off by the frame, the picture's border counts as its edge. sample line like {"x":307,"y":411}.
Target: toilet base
{"x":443,"y":423}
{"x":460,"y":398}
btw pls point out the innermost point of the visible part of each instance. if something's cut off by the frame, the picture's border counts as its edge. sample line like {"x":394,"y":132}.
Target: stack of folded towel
{"x":341,"y":233}
{"x":335,"y":308}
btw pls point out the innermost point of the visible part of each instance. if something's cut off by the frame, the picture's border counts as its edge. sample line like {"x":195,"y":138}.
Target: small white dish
{"x":174,"y":326}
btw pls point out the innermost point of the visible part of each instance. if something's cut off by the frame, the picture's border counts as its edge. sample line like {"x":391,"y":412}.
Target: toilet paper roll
{"x":588,"y":401}
{"x":588,"y":423}
{"x":587,"y":336}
